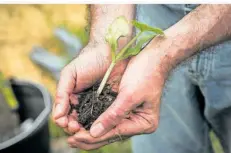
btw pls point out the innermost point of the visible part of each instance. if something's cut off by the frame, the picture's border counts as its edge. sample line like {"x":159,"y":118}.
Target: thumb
{"x":113,"y":115}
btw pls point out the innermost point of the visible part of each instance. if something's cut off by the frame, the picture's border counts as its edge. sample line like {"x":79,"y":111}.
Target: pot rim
{"x":38,"y":122}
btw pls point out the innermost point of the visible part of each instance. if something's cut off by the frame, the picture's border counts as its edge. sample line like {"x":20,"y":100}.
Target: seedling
{"x":120,"y":28}
{"x":95,"y":100}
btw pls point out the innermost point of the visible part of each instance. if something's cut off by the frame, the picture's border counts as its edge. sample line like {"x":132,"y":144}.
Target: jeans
{"x":196,"y":97}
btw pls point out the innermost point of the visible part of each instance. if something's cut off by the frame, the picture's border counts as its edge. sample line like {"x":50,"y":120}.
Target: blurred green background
{"x":22,"y":27}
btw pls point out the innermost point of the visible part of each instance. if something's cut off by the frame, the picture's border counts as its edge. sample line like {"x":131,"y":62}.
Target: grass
{"x":215,"y":143}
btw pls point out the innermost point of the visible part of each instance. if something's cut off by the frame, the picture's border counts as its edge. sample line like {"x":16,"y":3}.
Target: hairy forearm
{"x":202,"y":28}
{"x":103,"y":15}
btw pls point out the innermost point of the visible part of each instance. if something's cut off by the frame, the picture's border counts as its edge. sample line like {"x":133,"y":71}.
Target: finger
{"x":71,"y":129}
{"x":137,"y":124}
{"x":113,"y":115}
{"x":73,"y":125}
{"x":113,"y":135}
{"x":62,"y":121}
{"x":65,"y":87}
{"x":131,"y":95}
{"x":74,"y":99}
{"x":67,"y":132}
{"x":74,"y":114}
{"x":81,"y":145}
{"x":140,"y":123}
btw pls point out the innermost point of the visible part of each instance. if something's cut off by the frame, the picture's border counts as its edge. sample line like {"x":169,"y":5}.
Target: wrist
{"x":100,"y":49}
{"x":170,"y":50}
{"x":100,"y":42}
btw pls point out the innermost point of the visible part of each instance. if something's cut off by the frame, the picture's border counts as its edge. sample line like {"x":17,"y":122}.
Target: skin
{"x":79,"y":74}
{"x":136,"y":108}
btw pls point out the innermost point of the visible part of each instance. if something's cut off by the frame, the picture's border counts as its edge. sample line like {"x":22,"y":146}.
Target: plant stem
{"x":121,"y":53}
{"x":105,"y":78}
{"x":118,"y":56}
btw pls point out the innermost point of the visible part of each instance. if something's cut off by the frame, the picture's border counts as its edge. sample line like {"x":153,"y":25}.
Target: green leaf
{"x":118,"y":28}
{"x":136,"y":50}
{"x":144,"y":27}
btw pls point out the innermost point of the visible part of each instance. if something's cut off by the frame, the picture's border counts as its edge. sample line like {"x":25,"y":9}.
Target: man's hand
{"x":80,"y":74}
{"x":136,"y":108}
{"x":91,"y":65}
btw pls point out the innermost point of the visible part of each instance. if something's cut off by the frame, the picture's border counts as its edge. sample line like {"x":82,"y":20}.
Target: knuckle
{"x":152,"y":125}
{"x":56,"y":122}
{"x":88,"y":141}
{"x":130,"y":96}
{"x":111,"y":119}
{"x":59,"y":96}
{"x":126,"y":96}
{"x":150,"y":130}
{"x":112,"y":115}
{"x":120,"y":112}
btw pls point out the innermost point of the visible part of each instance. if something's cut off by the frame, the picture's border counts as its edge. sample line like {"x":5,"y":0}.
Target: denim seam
{"x":193,"y":70}
{"x":208,"y":58}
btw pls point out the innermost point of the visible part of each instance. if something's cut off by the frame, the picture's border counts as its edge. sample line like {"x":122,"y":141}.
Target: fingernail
{"x":58,"y":110}
{"x":97,"y":130}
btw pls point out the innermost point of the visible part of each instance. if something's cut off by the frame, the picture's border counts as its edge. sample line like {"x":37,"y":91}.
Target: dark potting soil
{"x":90,"y":107}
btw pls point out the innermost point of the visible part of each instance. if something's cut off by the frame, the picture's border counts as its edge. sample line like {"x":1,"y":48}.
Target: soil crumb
{"x":90,"y":107}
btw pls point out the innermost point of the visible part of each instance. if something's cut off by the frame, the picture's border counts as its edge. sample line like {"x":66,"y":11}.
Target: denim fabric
{"x":196,"y":97}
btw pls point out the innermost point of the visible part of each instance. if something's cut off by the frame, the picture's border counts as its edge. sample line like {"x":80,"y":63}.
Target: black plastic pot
{"x":35,"y":104}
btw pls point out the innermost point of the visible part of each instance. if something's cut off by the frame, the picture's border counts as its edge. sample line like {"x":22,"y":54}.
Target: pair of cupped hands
{"x":135,"y":111}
